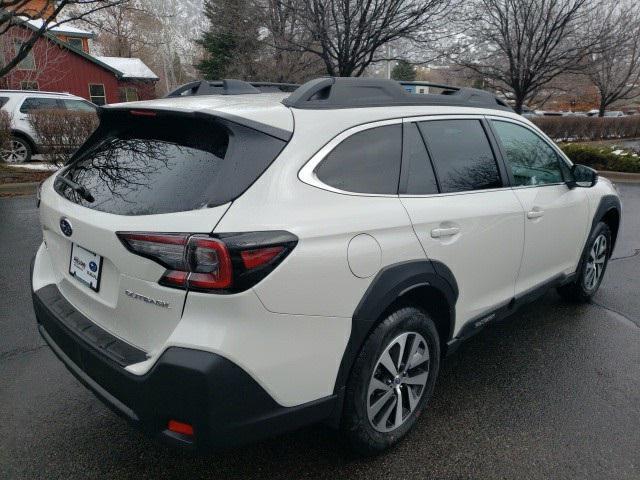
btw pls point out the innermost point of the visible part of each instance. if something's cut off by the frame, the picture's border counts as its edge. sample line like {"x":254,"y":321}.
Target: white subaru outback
{"x":227,"y":264}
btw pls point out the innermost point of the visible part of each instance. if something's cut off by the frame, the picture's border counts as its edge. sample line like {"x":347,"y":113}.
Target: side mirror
{"x":582,"y":176}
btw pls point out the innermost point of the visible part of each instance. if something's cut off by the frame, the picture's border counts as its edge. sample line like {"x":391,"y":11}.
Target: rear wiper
{"x":76,"y":187}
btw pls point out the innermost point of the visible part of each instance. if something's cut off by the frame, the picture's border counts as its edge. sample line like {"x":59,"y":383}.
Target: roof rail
{"x":229,"y":87}
{"x":43,"y":92}
{"x":344,"y":92}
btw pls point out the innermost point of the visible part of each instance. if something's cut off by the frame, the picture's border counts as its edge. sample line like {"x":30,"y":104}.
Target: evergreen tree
{"x":403,"y":71}
{"x":231,"y":42}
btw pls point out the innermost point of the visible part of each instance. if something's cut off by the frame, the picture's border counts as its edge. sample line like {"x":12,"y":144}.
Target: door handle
{"x":535,"y":213}
{"x":444,"y":232}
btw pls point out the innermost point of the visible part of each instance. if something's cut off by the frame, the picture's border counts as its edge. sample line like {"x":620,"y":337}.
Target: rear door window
{"x":35,"y":103}
{"x":461,"y":154}
{"x":153,"y":166}
{"x":78,"y":106}
{"x":366,"y":162}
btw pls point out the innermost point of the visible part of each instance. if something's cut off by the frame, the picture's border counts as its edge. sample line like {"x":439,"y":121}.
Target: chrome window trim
{"x":307,"y":172}
{"x":447,"y":116}
{"x":449,"y":194}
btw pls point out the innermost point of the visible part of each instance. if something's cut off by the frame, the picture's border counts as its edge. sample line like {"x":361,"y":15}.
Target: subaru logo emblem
{"x":93,"y":266}
{"x":65,"y":227}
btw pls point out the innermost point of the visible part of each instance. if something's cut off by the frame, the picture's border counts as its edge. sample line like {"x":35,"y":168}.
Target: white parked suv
{"x":18,"y":104}
{"x":220,"y":268}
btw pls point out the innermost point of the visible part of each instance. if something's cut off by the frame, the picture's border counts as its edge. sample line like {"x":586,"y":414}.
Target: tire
{"x":364,"y":423}
{"x":593,"y":265}
{"x":20,"y":151}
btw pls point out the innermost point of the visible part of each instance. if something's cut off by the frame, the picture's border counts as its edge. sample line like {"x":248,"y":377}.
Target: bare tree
{"x":52,"y":64}
{"x":283,"y":28}
{"x":173,"y":60}
{"x":124,"y":29}
{"x":149,"y":30}
{"x":15,"y":12}
{"x":615,"y":69}
{"x":349,"y":35}
{"x":520,"y":46}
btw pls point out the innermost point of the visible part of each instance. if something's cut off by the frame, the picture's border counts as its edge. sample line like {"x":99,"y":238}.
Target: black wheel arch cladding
{"x":25,"y":137}
{"x":389,"y":284}
{"x":608,"y":204}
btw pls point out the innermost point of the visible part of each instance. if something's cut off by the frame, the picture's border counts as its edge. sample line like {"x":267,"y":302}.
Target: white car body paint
{"x":289,"y":332}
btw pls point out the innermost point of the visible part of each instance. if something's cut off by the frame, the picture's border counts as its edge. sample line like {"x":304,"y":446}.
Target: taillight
{"x":143,"y":113}
{"x":210,"y":264}
{"x":259,"y":256}
{"x":226,"y":263}
{"x":180,"y":427}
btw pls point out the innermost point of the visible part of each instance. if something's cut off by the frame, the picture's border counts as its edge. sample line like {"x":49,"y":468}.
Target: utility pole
{"x":388,"y":61}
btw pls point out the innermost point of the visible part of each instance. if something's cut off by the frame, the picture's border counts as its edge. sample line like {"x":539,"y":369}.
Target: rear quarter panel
{"x":316,"y":278}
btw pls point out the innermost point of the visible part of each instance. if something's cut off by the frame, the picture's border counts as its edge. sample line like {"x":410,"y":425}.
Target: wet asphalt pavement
{"x":553,"y":392}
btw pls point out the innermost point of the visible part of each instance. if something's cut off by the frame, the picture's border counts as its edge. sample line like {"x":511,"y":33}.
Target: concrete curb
{"x":19,"y":188}
{"x":621,"y":177}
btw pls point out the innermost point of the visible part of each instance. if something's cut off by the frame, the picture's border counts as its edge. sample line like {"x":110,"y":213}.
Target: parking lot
{"x":553,"y":392}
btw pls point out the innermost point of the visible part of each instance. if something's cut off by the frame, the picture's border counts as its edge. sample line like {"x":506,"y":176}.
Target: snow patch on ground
{"x":37,"y":166}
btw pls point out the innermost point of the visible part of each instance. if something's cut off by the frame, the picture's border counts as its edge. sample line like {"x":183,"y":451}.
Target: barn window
{"x":28,"y":63}
{"x":96,"y":94}
{"x":75,"y":43}
{"x":131,"y":94}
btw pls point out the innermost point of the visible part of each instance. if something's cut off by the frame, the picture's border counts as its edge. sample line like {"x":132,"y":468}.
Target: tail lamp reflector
{"x":180,"y":427}
{"x":259,"y":256}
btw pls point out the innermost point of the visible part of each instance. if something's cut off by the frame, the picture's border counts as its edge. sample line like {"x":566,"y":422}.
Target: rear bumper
{"x":225,"y":405}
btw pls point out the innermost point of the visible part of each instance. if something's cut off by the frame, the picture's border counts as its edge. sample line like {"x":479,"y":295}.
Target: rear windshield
{"x":171,"y":164}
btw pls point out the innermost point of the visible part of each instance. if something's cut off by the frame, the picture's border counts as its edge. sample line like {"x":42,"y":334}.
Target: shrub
{"x":624,"y":164}
{"x":601,"y":158}
{"x":5,"y":129}
{"x":62,"y":131}
{"x":589,"y":128}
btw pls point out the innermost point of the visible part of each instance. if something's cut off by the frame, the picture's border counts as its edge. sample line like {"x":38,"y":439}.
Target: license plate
{"x":86,"y":266}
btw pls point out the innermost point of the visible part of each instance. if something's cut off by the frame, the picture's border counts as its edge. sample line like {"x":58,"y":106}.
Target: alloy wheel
{"x":398,"y":381}
{"x":17,"y":153}
{"x":595,"y":263}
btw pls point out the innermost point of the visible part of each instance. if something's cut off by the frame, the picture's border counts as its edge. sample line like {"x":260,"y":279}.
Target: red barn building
{"x":61,"y":61}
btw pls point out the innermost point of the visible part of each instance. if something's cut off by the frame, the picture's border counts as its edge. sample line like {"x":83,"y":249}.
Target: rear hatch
{"x":143,"y":171}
